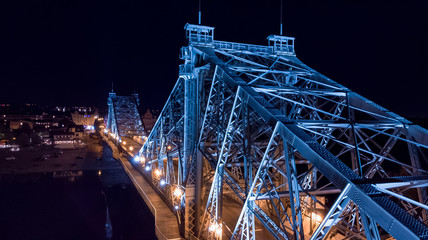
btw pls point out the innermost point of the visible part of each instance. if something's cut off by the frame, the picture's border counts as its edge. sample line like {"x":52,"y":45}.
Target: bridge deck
{"x":165,"y":220}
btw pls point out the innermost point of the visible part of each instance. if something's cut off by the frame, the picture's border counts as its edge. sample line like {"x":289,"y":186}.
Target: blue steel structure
{"x":123,"y":119}
{"x":301,"y":155}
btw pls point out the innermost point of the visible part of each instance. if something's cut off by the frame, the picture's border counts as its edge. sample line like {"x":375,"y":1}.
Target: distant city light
{"x":131,"y":148}
{"x":147,"y":168}
{"x":124,"y":143}
{"x":162,"y":182}
{"x":99,"y":172}
{"x":176,"y":207}
{"x":137,"y":158}
{"x":89,"y":127}
{"x":14,"y":149}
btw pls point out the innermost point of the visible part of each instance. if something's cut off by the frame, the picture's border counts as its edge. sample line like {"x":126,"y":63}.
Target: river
{"x":48,"y":206}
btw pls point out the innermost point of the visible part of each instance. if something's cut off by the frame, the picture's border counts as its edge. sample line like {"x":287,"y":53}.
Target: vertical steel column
{"x":188,"y":146}
{"x":193,"y":159}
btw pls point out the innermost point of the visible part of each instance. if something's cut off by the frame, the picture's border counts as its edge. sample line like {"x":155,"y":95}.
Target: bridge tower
{"x":251,"y":131}
{"x":123,"y":119}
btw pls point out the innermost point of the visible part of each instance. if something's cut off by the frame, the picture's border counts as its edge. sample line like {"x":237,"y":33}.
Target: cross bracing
{"x":302,"y":156}
{"x":123,"y":116}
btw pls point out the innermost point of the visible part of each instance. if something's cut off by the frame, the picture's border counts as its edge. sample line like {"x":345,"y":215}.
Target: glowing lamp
{"x":316,"y":217}
{"x":177,"y":192}
{"x":212,"y":227}
{"x":217,"y":228}
{"x":218,"y":231}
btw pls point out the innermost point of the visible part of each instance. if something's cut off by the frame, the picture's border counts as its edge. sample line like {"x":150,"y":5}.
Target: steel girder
{"x":282,"y":139}
{"x":123,"y":116}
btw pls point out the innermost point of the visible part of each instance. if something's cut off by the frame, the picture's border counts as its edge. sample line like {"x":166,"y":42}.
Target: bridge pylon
{"x":123,"y":119}
{"x":254,"y":144}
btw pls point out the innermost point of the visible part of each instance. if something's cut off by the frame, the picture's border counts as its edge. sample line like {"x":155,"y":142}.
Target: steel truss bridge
{"x":252,"y":143}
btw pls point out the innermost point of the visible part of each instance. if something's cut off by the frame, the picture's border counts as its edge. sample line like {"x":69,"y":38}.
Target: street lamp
{"x":216,"y":228}
{"x":316,"y":217}
{"x":178,"y":192}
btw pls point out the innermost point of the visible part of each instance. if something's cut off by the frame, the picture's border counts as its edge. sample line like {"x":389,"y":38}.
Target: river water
{"x":43,"y":206}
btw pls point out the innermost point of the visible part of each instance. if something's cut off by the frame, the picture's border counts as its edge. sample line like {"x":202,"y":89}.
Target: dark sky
{"x":68,"y":52}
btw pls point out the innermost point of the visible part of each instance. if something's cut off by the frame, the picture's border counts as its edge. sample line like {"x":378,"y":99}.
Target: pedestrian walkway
{"x":165,"y":220}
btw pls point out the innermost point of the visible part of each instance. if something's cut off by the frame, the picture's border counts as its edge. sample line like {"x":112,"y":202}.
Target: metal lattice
{"x":252,"y":127}
{"x":123,"y":118}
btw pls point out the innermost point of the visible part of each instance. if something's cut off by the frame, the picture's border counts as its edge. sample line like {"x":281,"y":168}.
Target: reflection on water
{"x":72,"y":205}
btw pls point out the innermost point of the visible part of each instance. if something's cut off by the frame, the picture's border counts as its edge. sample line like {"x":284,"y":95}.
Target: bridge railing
{"x":243,"y":47}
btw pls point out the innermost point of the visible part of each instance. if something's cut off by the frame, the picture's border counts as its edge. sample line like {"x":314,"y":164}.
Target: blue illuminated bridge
{"x":254,"y":144}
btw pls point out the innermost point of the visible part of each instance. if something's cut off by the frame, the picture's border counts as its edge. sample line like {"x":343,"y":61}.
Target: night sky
{"x":68,"y":52}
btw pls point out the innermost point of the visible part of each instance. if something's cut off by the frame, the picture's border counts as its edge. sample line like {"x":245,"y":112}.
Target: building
{"x":65,"y":139}
{"x":85,"y":118}
{"x":78,"y":131}
{"x":149,"y":119}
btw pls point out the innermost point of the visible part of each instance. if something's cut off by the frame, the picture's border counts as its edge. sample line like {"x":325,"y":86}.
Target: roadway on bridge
{"x":165,"y":220}
{"x":231,"y":210}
